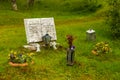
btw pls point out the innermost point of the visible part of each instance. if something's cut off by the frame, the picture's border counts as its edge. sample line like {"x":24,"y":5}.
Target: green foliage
{"x":7,"y":3}
{"x":114,"y":18}
{"x":85,"y":5}
{"x":73,"y":5}
{"x":58,"y":5}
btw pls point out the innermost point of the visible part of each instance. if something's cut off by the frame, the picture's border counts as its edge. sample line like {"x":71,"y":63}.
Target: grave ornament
{"x":54,"y":45}
{"x":46,"y":39}
{"x":90,"y":35}
{"x":70,"y":51}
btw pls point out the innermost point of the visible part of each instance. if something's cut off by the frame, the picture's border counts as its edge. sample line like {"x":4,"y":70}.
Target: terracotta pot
{"x":19,"y":64}
{"x":94,"y":52}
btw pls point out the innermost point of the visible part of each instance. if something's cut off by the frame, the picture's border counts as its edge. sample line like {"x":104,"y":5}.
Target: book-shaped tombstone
{"x":36,"y":28}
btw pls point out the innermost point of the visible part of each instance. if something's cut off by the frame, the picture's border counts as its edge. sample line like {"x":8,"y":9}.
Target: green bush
{"x":114,"y":18}
{"x":58,"y":5}
{"x":5,"y":4}
{"x":85,"y":5}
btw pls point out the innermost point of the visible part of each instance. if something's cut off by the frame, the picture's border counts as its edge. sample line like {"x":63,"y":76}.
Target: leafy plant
{"x":20,"y":57}
{"x":113,"y":18}
{"x":102,"y":48}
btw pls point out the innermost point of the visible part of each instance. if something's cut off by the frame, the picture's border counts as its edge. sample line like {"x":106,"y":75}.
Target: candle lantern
{"x":90,"y":35}
{"x":46,"y":39}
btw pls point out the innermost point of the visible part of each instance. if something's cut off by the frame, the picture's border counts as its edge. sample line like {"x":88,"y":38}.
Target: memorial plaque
{"x":38,"y":27}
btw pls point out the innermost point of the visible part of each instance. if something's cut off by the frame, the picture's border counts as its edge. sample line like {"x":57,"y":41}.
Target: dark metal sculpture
{"x":70,"y":51}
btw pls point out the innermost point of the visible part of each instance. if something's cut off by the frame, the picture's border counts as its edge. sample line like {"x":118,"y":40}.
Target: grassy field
{"x":51,"y":64}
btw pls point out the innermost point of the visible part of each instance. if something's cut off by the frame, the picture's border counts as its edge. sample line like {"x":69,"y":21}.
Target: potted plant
{"x":17,"y":58}
{"x":101,"y":48}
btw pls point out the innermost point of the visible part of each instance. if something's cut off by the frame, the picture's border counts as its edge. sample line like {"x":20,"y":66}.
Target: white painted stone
{"x":33,"y":47}
{"x":37,"y":46}
{"x":54,"y":44}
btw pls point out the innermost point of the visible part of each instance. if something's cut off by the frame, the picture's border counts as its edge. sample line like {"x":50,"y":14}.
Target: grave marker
{"x":36,"y":28}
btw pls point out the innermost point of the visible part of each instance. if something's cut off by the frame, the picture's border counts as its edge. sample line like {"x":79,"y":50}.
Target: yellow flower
{"x":106,"y":45}
{"x":8,"y":55}
{"x":31,"y":54}
{"x":15,"y":53}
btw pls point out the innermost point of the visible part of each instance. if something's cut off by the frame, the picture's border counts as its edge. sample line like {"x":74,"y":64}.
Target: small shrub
{"x":85,"y":5}
{"x":113,"y":18}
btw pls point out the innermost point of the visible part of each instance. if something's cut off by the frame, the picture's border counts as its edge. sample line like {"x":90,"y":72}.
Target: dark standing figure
{"x":46,"y":39}
{"x":70,"y":51}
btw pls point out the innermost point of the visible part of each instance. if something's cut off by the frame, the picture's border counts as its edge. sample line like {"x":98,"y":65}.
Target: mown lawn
{"x":51,"y":64}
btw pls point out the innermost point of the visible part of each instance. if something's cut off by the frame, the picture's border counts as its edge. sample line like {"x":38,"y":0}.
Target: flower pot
{"x":19,"y":64}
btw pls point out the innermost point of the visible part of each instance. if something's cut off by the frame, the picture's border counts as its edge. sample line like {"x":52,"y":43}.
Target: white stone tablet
{"x":37,"y":27}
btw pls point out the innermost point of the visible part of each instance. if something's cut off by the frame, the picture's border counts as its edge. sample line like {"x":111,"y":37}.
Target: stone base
{"x":70,"y":64}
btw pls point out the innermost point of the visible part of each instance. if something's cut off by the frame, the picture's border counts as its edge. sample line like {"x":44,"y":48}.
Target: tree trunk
{"x":30,"y":3}
{"x":14,"y":5}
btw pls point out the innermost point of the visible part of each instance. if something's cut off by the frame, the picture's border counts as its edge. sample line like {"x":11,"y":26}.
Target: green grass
{"x":50,"y":64}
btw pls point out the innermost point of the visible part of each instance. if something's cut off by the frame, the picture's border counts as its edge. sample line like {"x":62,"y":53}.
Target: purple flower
{"x":72,"y":47}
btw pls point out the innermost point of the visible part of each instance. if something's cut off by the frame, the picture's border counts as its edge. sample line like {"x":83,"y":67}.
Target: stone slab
{"x":37,"y":27}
